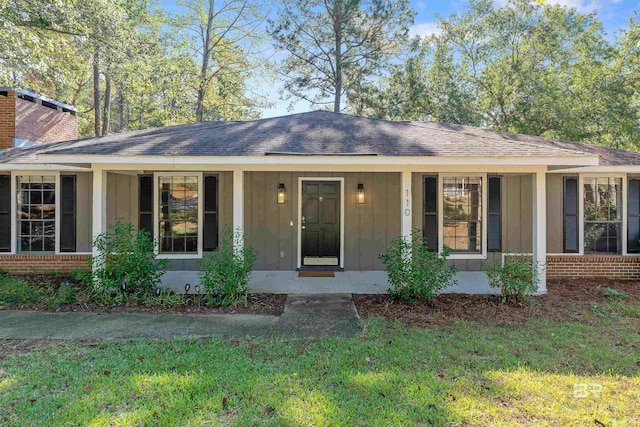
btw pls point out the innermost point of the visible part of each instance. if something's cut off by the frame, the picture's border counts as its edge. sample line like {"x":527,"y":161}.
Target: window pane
{"x":462,"y":211}
{"x":602,"y":214}
{"x":178,"y":213}
{"x":36,"y":206}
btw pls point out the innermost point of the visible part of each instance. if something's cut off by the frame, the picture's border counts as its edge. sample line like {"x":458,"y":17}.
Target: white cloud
{"x":420,"y":5}
{"x":425,"y":29}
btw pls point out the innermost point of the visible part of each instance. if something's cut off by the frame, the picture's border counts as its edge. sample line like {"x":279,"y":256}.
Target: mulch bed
{"x":270,"y":304}
{"x":566,"y":300}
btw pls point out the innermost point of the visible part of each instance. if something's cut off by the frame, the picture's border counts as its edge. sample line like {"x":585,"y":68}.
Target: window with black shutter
{"x":570,"y":215}
{"x":5,"y":213}
{"x":210,"y":225}
{"x":494,"y":214}
{"x":430,"y":226}
{"x":145,"y":203}
{"x":67,"y":213}
{"x":633,"y":218}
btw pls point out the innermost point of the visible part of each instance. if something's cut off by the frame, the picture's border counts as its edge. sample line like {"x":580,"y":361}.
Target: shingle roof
{"x":322,"y":132}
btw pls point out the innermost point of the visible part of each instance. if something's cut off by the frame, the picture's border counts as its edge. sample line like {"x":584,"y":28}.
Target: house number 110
{"x":407,"y":211}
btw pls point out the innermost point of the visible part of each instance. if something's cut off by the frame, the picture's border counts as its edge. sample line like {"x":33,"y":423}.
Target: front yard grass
{"x":540,"y":372}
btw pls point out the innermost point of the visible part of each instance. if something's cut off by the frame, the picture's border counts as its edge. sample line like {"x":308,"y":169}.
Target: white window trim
{"x":459,"y":255}
{"x":14,"y":212}
{"x":623,"y":232}
{"x":342,"y":213}
{"x":156,"y":215}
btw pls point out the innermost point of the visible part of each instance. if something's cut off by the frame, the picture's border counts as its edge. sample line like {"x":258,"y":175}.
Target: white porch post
{"x":238,"y":204}
{"x":540,"y":227}
{"x":406,"y":205}
{"x":99,"y":211}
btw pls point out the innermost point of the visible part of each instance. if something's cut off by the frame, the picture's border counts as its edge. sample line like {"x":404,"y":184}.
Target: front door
{"x":320,"y":223}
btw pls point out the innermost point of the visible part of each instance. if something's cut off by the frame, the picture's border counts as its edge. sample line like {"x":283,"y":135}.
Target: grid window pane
{"x":462,"y":212}
{"x":602,"y":214}
{"x":36,"y":206}
{"x":178,"y":214}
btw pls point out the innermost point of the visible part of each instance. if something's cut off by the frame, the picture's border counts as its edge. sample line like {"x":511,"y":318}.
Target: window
{"x":36,"y":205}
{"x":178,"y":214}
{"x":602,"y":214}
{"x":462,"y":214}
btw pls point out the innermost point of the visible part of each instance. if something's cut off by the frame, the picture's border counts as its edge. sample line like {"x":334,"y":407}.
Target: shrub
{"x":226,"y":272}
{"x":164,"y":298}
{"x":415,"y":272}
{"x":15,"y":291}
{"x":64,"y":295}
{"x":127,"y":263}
{"x":516,"y":278}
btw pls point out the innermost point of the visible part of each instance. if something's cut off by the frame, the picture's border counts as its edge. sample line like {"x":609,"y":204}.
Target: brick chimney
{"x":27,"y":118}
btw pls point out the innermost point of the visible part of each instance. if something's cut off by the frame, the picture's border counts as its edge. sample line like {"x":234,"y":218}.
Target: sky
{"x":614,"y":15}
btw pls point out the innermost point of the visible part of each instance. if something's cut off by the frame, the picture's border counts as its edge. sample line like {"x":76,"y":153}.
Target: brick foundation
{"x":558,"y":267}
{"x":615,"y":267}
{"x":43,"y":263}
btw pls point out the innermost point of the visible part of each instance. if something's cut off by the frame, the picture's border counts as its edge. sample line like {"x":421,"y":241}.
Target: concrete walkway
{"x":319,"y":315}
{"x":304,"y":316}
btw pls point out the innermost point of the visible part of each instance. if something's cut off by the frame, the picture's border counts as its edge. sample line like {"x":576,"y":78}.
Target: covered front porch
{"x":504,"y":210}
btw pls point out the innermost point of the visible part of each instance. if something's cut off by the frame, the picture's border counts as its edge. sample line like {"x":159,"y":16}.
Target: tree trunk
{"x":107,"y":104}
{"x":121,"y":108}
{"x":96,"y":95}
{"x":338,"y":34}
{"x":206,"y":53}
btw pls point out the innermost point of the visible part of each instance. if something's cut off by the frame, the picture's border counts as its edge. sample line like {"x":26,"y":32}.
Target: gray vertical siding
{"x":555,"y":205}
{"x":225,"y":199}
{"x":84,"y":206}
{"x":517,"y":221}
{"x":122,"y":198}
{"x":368,"y":228}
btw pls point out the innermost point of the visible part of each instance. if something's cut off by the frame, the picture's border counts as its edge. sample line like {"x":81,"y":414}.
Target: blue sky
{"x":614,"y":15}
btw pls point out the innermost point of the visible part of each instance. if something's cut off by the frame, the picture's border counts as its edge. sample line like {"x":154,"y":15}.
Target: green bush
{"x":415,"y":272}
{"x":226,"y":272}
{"x":165,"y":298}
{"x":15,"y":291}
{"x":516,"y":278}
{"x":127,"y":264}
{"x":64,"y":295}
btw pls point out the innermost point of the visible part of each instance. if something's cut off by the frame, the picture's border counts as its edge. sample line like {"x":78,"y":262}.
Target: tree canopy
{"x":334,"y":46}
{"x":525,"y":67}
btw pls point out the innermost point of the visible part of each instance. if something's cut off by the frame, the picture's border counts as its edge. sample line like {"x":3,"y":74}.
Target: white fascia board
{"x":325,"y":160}
{"x":597,"y":169}
{"x":41,"y":167}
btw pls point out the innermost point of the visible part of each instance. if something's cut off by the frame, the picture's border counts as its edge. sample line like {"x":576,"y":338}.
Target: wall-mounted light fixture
{"x":281,"y":194}
{"x":360,"y":194}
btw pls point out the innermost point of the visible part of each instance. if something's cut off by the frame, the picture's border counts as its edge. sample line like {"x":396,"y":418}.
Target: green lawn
{"x":465,"y":374}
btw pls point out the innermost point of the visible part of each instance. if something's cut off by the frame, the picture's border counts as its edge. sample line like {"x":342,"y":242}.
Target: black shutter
{"x":570,"y":215}
{"x":145,"y":203}
{"x":67,"y":213}
{"x":430,"y":203}
{"x":210,"y":225}
{"x":633,"y":226}
{"x":5,"y":213}
{"x":494,"y":213}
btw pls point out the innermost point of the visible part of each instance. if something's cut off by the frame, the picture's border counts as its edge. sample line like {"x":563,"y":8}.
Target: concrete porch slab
{"x":344,"y":282}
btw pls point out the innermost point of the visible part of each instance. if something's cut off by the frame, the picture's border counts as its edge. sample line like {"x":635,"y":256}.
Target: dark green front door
{"x":320,"y":223}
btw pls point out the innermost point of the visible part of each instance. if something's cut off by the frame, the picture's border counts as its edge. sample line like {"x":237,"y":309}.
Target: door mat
{"x":316,"y":274}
